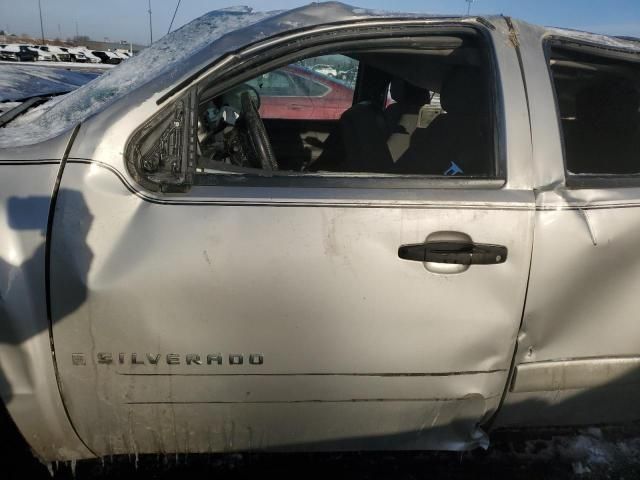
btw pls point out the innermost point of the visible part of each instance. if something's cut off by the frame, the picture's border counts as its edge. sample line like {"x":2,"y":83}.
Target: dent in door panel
{"x":197,"y":278}
{"x":580,"y":335}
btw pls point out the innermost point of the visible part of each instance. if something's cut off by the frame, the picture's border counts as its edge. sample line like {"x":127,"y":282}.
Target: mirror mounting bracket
{"x":161,"y":154}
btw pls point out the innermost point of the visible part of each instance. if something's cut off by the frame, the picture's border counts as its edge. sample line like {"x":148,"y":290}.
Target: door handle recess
{"x":461,"y":253}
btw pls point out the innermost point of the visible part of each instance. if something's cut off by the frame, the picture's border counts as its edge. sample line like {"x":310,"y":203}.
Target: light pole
{"x":150,"y":25}
{"x":130,"y":43}
{"x":469,"y":2}
{"x":41,"y":26}
{"x":174,"y":16}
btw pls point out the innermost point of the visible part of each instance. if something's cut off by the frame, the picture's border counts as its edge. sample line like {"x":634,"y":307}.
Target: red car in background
{"x":298,"y":93}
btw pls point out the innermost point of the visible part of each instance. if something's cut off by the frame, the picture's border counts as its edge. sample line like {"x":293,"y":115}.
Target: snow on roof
{"x":595,"y":38}
{"x":164,"y":55}
{"x":167,"y":58}
{"x":12,"y":48}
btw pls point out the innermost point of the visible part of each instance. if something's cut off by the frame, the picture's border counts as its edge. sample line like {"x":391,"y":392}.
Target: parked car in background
{"x":42,"y":55}
{"x":76,"y":54}
{"x":91,"y":58}
{"x":180,"y":273}
{"x":325,"y":69}
{"x":57,"y":53}
{"x":121,"y":55}
{"x":107,"y":57}
{"x":295,"y":92}
{"x":17,"y":53}
{"x":124,"y":52}
{"x":348,"y":76}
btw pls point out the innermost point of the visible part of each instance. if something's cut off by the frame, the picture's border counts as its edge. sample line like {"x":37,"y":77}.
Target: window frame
{"x":266,"y":55}
{"x":580,"y":181}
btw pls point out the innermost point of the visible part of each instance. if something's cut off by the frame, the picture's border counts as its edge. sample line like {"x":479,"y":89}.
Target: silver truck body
{"x":232,"y":318}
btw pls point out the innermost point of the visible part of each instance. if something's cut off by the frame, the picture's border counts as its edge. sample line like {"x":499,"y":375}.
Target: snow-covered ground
{"x":553,"y":454}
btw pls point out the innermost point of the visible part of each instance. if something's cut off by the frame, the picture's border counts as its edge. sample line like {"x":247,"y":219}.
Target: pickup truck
{"x":178,"y":274}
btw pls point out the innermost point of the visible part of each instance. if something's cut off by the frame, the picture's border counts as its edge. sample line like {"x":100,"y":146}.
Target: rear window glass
{"x":598,"y":99}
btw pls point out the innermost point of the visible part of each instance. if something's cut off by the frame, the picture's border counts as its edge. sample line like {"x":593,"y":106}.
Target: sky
{"x":128,"y":20}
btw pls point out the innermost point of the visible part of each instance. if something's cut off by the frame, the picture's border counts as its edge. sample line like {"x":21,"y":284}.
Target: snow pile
{"x":21,"y":82}
{"x":587,"y":452}
{"x":163,"y":56}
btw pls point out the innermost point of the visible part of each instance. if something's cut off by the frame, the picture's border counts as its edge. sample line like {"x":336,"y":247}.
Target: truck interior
{"x":409,"y":106}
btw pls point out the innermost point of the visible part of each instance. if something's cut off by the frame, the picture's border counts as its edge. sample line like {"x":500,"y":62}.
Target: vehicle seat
{"x":605,"y":136}
{"x":402,"y":117}
{"x":461,"y":134}
{"x":364,"y":134}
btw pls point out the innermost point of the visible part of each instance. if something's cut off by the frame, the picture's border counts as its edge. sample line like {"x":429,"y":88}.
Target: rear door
{"x":579,"y":352}
{"x":291,"y":317}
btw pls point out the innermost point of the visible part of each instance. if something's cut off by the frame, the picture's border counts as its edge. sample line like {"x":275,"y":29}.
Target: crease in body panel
{"x":590,"y":227}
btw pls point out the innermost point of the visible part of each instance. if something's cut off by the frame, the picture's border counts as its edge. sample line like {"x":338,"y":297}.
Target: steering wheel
{"x":257,"y":133}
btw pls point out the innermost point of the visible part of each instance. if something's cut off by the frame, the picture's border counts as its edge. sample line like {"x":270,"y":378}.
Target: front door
{"x":274,"y":316}
{"x":279,"y":323}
